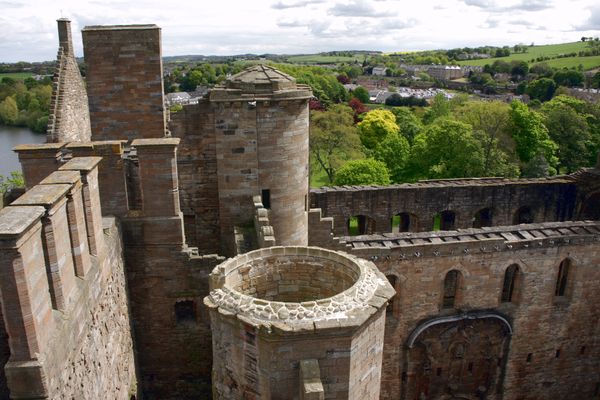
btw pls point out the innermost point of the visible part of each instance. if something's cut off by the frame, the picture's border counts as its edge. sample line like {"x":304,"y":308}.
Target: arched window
{"x":403,"y":222}
{"x":510,"y":280}
{"x":524,"y":215}
{"x":394,"y":282}
{"x":591,"y":207}
{"x":483,"y":218}
{"x":444,"y":221}
{"x":451,"y":286}
{"x":562,"y":279}
{"x":360,"y":225}
{"x":185,"y":312}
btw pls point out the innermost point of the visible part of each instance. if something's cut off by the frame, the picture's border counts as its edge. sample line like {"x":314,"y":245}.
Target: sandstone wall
{"x":553,"y":349}
{"x":549,"y":199}
{"x":124,"y":81}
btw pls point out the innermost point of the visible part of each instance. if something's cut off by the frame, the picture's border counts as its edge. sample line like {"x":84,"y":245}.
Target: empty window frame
{"x":562,"y":278}
{"x":451,"y":283}
{"x":510,"y":281}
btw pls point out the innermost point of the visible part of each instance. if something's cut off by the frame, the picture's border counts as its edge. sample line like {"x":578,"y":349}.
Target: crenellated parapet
{"x":55,"y":270}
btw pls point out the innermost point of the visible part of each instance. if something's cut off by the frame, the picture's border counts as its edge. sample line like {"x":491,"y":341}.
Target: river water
{"x":10,"y":136}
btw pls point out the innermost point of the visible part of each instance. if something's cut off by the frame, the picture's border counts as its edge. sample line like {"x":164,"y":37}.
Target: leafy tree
{"x":491,"y":126}
{"x":519,"y":68}
{"x":447,"y":149}
{"x":569,"y":77}
{"x":596,"y":80}
{"x":358,"y":107}
{"x":542,"y":70}
{"x":363,"y":172}
{"x":15,"y":180}
{"x":410,"y":126}
{"x":531,"y":135}
{"x":541,"y":89}
{"x":343,"y":78}
{"x":9,"y":111}
{"x":375,"y":126}
{"x":393,"y":151}
{"x":440,"y":107}
{"x":362,"y":94}
{"x":333,"y":138}
{"x":569,"y":129}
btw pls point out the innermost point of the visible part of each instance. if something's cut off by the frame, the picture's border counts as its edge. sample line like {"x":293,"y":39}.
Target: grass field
{"x":320,"y":59}
{"x":15,"y":75}
{"x":551,"y":50}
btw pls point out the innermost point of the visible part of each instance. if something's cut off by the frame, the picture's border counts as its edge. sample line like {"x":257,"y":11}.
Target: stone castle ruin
{"x":183,"y":256}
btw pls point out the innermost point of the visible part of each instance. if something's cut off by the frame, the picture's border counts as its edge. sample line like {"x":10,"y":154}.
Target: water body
{"x":10,"y":136}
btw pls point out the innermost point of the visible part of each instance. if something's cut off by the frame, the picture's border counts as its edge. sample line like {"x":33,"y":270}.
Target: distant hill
{"x":555,"y":55}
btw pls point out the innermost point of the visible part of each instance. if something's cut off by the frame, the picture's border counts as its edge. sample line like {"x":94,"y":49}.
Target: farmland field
{"x":15,"y":75}
{"x":551,"y":50}
{"x":322,"y":59}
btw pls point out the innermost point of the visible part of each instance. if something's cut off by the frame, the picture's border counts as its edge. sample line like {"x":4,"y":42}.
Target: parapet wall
{"x":551,"y":199}
{"x":63,"y":291}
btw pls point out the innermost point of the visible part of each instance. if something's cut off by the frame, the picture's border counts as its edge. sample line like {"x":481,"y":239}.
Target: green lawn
{"x":15,"y":75}
{"x":551,"y":50}
{"x":320,"y":59}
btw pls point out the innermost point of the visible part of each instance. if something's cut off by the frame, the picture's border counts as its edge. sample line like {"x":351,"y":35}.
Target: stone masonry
{"x":106,"y":285}
{"x":69,"y":113}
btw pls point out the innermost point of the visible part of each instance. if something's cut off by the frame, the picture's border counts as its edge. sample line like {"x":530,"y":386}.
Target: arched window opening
{"x":483,"y":218}
{"x":524,"y":215}
{"x":563,"y":276}
{"x":510,"y":281}
{"x":591,"y":208}
{"x":451,"y":283}
{"x":391,"y":305}
{"x":360,"y":225}
{"x":447,"y":220}
{"x":402,"y":222}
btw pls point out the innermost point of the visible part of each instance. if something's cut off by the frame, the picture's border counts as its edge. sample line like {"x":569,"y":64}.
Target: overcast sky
{"x":28,"y":27}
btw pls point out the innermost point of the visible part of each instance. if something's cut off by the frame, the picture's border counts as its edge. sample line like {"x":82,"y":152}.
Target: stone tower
{"x":261,"y":128}
{"x":297,"y":323}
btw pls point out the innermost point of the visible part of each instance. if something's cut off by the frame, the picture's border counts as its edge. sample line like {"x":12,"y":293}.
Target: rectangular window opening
{"x":582,"y":350}
{"x":529,"y":357}
{"x":265,"y":197}
{"x":557,"y":355}
{"x":438,"y":372}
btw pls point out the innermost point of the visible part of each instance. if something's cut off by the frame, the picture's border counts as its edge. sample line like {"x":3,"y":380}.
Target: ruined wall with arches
{"x":445,"y":336}
{"x":447,"y":204}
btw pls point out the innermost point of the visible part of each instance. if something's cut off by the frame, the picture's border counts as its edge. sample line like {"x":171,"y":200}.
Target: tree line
{"x":455,"y":138}
{"x":25,"y":103}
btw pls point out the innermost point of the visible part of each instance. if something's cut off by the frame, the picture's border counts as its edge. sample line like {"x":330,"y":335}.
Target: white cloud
{"x":301,"y":26}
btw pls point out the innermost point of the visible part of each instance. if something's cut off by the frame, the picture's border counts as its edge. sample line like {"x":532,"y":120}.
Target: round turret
{"x":261,"y":120}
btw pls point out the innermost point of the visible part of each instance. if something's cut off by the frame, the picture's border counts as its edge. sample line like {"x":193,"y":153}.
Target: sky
{"x":227,"y":27}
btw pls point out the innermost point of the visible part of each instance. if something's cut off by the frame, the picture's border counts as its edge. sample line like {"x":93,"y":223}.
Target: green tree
{"x":333,"y":138}
{"x":447,"y":149}
{"x":440,"y":107}
{"x":596,"y":80}
{"x":531,"y":135}
{"x":9,"y":111}
{"x":541,"y":89}
{"x":375,"y":126}
{"x":363,"y":172}
{"x":410,"y":125}
{"x":393,"y":151}
{"x":362,"y":94}
{"x":15,"y":180}
{"x":569,"y":78}
{"x":569,"y":129}
{"x":491,"y":126}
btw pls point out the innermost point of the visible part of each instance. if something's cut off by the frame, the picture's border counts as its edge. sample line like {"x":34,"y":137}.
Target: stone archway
{"x":456,"y":357}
